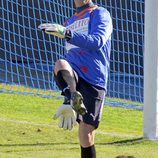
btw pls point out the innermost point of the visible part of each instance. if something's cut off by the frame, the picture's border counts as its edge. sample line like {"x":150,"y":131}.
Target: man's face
{"x":79,"y":3}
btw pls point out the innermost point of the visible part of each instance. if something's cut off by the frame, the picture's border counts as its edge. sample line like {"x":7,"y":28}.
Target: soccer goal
{"x":27,"y":55}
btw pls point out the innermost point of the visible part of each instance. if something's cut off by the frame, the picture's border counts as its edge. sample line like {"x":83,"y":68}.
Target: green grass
{"x":28,"y":131}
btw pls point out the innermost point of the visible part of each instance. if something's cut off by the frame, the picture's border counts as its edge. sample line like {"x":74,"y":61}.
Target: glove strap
{"x":68,"y":35}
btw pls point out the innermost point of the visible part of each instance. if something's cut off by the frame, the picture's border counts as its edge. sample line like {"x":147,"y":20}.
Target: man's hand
{"x":67,"y":117}
{"x":53,"y":29}
{"x":77,"y":103}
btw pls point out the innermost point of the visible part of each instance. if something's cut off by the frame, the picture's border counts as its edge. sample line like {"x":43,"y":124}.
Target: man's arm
{"x":99,"y":33}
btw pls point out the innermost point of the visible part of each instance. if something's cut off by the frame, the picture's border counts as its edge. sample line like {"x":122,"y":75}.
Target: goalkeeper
{"x":82,"y":75}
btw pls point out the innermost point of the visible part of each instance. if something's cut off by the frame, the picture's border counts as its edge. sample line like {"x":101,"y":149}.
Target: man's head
{"x":79,"y":3}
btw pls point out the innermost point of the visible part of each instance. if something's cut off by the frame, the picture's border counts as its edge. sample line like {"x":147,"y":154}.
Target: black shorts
{"x":93,"y":99}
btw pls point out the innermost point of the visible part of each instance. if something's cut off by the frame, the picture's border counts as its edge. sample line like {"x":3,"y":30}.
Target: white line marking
{"x":25,"y":122}
{"x":48,"y":125}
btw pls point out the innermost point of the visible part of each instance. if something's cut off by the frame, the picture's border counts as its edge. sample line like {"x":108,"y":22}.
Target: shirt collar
{"x":79,"y":9}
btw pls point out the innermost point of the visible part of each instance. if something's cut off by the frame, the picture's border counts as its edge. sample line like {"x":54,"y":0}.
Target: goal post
{"x":151,"y":70}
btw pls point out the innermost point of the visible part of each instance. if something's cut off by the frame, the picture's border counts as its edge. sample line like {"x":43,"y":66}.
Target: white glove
{"x":53,"y":29}
{"x":67,"y":116}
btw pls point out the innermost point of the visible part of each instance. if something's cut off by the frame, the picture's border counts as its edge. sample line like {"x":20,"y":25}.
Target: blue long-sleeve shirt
{"x":88,"y":50}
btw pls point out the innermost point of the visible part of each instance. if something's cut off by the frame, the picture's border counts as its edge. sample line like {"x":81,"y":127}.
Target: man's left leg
{"x":93,"y":99}
{"x":86,"y":137}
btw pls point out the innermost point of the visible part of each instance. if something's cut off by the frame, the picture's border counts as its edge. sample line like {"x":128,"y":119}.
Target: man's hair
{"x":124,"y":156}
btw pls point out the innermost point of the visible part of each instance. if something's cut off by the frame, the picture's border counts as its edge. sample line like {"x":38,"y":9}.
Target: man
{"x":82,"y":75}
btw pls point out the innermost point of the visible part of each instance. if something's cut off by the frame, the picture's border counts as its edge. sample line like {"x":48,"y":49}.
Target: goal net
{"x":27,"y":56}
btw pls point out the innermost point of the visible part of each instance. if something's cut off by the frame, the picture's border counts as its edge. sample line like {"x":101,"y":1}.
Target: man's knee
{"x":61,"y":64}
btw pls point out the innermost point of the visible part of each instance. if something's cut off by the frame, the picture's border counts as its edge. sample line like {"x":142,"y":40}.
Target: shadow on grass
{"x":124,"y":142}
{"x":36,"y":144}
{"x":26,"y":147}
{"x":120,"y":142}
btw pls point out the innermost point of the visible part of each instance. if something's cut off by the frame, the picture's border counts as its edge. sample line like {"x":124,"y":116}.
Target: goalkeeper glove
{"x":77,"y":103}
{"x":53,"y":29}
{"x":67,"y":117}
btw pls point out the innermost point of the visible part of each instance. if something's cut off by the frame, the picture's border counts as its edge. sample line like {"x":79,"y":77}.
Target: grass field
{"x":28,"y":131}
